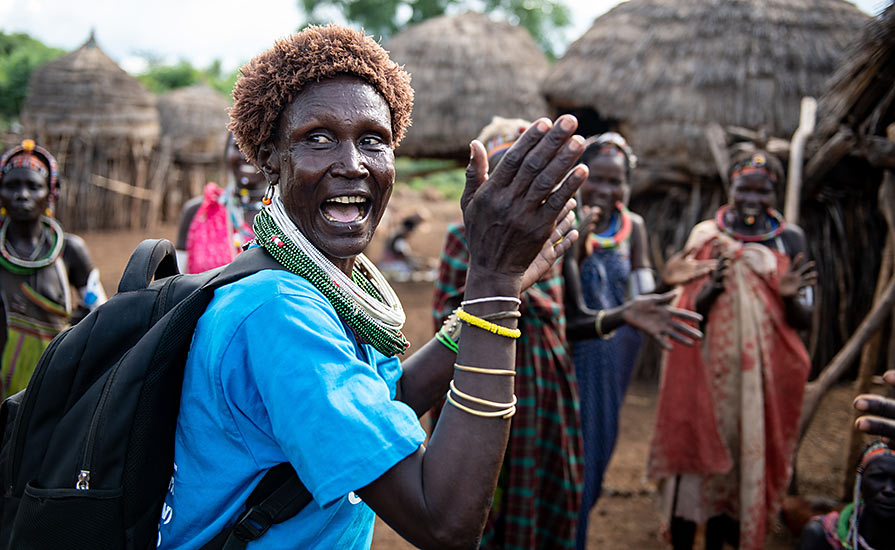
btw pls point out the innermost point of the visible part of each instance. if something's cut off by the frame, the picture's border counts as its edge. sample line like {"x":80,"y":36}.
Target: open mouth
{"x":346,"y":209}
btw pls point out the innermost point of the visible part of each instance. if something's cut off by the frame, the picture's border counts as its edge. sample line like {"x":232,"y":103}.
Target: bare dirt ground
{"x":626,"y":517}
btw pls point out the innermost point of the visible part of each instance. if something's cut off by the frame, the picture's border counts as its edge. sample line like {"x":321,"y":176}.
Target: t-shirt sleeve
{"x":331,"y":413}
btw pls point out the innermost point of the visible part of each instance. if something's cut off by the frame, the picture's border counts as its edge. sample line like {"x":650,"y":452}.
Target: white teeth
{"x":348,"y":199}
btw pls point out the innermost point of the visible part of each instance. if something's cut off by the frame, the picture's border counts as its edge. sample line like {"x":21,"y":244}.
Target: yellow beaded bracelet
{"x":480,"y":401}
{"x":508,"y":413}
{"x":494,"y":328}
{"x":483,"y":370}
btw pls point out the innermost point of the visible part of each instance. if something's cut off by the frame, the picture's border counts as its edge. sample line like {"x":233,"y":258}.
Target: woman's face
{"x":25,"y":194}
{"x":751,"y":195}
{"x":606,"y":183}
{"x":336,"y":165}
{"x":878,"y":487}
{"x":245,"y":174}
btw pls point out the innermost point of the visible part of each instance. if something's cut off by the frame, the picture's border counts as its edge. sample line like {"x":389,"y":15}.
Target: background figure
{"x":866,"y":522}
{"x":612,"y":258}
{"x":539,"y":490}
{"x":728,"y":411}
{"x":399,"y":263}
{"x":214,"y":226}
{"x":39,"y":263}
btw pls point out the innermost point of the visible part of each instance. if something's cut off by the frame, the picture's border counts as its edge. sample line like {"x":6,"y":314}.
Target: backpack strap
{"x":280,"y":495}
{"x":152,"y":259}
{"x":247,"y":263}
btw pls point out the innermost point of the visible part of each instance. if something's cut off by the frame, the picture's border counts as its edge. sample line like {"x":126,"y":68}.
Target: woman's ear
{"x":269,"y":161}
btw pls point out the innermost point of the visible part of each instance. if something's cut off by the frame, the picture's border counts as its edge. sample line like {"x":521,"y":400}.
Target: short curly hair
{"x":270,"y":81}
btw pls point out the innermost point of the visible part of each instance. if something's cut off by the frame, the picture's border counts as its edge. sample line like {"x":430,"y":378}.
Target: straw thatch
{"x":102,"y":125}
{"x":466,"y":69}
{"x":663,"y":69}
{"x":194,"y":133}
{"x":195,"y":119}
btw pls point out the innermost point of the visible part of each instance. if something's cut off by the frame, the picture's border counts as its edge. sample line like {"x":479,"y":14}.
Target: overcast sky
{"x":197,"y":30}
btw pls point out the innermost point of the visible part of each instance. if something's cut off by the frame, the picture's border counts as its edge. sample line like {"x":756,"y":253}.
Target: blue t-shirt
{"x":273,"y":375}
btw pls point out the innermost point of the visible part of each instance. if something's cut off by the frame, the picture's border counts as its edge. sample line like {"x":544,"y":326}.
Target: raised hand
{"x":682,"y":267}
{"x":879,"y":418}
{"x":511,"y":214}
{"x":652,"y":314}
{"x":799,"y":275}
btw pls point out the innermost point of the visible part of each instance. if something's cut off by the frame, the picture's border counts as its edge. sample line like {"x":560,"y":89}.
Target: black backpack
{"x":88,"y":447}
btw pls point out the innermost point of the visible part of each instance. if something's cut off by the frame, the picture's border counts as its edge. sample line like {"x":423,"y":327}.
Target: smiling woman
{"x":298,"y":365}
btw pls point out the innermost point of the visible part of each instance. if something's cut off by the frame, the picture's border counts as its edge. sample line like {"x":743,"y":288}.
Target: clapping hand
{"x":560,"y":240}
{"x":879,"y":417}
{"x":682,"y":267}
{"x":799,"y":275}
{"x":652,"y":314}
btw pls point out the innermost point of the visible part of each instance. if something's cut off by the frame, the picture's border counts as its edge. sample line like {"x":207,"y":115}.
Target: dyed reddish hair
{"x":270,"y":81}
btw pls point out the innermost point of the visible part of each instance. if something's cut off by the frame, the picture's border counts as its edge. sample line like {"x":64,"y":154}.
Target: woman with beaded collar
{"x":40,"y":263}
{"x":299,"y":365}
{"x":728,"y":412}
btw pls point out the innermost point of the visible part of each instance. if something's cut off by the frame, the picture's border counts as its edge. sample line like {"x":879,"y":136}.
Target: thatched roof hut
{"x":195,"y":119}
{"x":660,"y":70}
{"x":465,"y":70}
{"x":102,"y":125}
{"x":194,"y":133}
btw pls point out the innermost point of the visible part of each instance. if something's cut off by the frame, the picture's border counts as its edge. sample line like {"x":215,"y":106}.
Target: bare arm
{"x":801,"y":274}
{"x":439,"y":496}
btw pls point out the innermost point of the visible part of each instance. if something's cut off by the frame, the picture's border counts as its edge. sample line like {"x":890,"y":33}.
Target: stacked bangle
{"x":486,"y":299}
{"x":449,"y":333}
{"x":484,"y":324}
{"x":598,"y":326}
{"x":483,"y":370}
{"x":505,"y":410}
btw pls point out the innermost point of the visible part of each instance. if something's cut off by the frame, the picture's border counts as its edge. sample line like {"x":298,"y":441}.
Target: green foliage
{"x":445,"y":176}
{"x":20,"y":55}
{"x":161,"y":78}
{"x":543,"y":18}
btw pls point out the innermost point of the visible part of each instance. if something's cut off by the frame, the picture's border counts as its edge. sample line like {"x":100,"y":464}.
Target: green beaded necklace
{"x":380,"y":326}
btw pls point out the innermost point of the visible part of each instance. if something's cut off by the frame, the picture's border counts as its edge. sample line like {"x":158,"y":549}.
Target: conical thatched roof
{"x":86,"y":92}
{"x":665,"y":68}
{"x":195,"y":118}
{"x":465,"y":70}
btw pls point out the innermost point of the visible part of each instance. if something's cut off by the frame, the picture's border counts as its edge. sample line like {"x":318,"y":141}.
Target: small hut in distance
{"x":466,"y":69}
{"x":102,"y":126}
{"x":194,"y":133}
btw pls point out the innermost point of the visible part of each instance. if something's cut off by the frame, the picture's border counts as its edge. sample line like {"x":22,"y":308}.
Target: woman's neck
{"x":24,"y":232}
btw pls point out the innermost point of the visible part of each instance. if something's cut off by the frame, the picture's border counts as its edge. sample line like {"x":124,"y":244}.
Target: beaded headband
{"x":495,"y":149}
{"x":875,"y":450}
{"x":611,"y":143}
{"x":757,"y":163}
{"x":34,"y":157}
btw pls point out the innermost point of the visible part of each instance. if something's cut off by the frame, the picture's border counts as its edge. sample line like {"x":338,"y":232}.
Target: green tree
{"x":19,"y":56}
{"x":544,"y":19}
{"x":160,"y":77}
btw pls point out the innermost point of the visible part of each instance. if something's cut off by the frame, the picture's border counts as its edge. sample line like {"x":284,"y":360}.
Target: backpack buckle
{"x":253,"y":524}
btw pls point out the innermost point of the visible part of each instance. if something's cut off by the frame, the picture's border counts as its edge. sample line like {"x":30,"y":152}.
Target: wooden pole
{"x":869,"y":361}
{"x":880,"y":311}
{"x":796,"y":158}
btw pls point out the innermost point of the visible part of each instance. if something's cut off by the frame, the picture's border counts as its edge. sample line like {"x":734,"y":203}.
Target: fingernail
{"x":566,"y":124}
{"x":542,"y":126}
{"x":471,"y":151}
{"x":861,"y":405}
{"x":576,"y":143}
{"x":889,"y":377}
{"x":861,"y":424}
{"x":580,"y":171}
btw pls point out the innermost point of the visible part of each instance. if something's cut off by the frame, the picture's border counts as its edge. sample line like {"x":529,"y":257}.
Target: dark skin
{"x":878,"y":494}
{"x":25,"y":194}
{"x":751,"y":195}
{"x":334,"y":140}
{"x":878,"y":412}
{"x":248,"y":179}
{"x":607,"y":185}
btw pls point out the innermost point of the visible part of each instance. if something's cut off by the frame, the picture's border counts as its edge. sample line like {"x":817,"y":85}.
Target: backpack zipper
{"x":27,"y":405}
{"x":83,"y":480}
